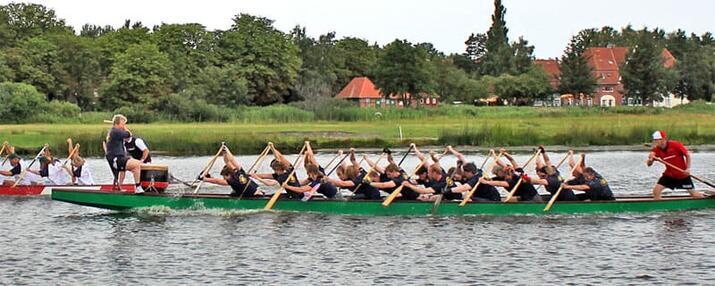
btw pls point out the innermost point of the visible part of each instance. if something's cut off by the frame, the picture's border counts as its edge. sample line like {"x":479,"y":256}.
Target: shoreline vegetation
{"x":249,"y":129}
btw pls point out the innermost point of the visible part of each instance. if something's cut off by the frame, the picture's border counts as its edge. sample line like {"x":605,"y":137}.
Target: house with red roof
{"x":363,"y":91}
{"x":606,"y":63}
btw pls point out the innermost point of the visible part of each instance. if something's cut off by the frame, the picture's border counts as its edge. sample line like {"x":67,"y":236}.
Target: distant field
{"x":485,"y":126}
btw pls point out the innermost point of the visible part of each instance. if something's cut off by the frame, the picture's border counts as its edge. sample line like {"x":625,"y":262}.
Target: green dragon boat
{"x":125,"y":201}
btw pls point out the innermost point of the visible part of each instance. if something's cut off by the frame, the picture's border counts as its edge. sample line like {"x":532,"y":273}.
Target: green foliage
{"x":140,"y":76}
{"x":402,"y":69}
{"x":36,"y":61}
{"x":644,"y":75}
{"x":220,"y":86}
{"x":6,"y":73}
{"x":26,"y":21}
{"x":19,"y":102}
{"x":266,"y":57}
{"x":576,"y":75}
{"x":181,"y":108}
{"x":137,"y":113}
{"x":189,"y":46}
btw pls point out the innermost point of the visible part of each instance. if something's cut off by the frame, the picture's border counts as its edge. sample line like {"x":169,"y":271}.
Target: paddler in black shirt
{"x":116,"y":154}
{"x":233,"y":175}
{"x":390,"y":180}
{"x":484,"y":192}
{"x":507,"y":176}
{"x":595,"y":186}
{"x":351,"y":177}
{"x":282,"y":169}
{"x":438,"y":183}
{"x":550,"y":178}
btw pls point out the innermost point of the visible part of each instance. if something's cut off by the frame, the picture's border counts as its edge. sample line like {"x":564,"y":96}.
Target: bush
{"x":329,"y":108}
{"x":273,"y":114}
{"x":137,"y":113}
{"x":19,"y":102}
{"x":63,"y":109}
{"x":181,"y":108}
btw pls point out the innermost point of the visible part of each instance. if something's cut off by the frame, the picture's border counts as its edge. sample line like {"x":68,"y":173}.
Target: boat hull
{"x":125,"y":201}
{"x":37,"y":190}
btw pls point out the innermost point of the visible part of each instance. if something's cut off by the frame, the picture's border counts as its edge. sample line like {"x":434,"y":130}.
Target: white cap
{"x":658,"y":135}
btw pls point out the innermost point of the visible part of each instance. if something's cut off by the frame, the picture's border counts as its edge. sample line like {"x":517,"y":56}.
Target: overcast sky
{"x":547,"y":24}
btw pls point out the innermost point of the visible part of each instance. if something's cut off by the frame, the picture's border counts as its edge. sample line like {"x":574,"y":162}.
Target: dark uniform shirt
{"x":368,"y":191}
{"x":599,"y":190}
{"x":239,"y":181}
{"x":327,"y":189}
{"x":554,"y":183}
{"x":444,"y":186}
{"x":484,"y":191}
{"x":407,"y":193}
{"x":16,"y":170}
{"x":526,"y":190}
{"x":135,"y":152}
{"x":292,"y":181}
{"x":115,"y":143}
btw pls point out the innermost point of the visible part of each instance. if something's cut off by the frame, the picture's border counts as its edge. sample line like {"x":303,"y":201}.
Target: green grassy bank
{"x":479,"y":126}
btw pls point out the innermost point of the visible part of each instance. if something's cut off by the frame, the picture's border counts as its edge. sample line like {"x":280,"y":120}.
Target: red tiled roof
{"x":668,"y":57}
{"x":551,"y":67}
{"x":360,"y":87}
{"x":606,"y":62}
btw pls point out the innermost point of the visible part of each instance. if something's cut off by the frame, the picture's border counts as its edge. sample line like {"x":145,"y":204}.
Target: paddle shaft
{"x":338,"y":165}
{"x":24,"y":171}
{"x":557,"y":167}
{"x":484,"y":174}
{"x":397,"y":191}
{"x":438,"y":201}
{"x":412,"y":146}
{"x":518,"y":183}
{"x":369,"y":171}
{"x":255,"y":165}
{"x":208,"y":167}
{"x":683,"y":171}
{"x":332,"y":160}
{"x":277,"y":194}
{"x":558,"y":192}
{"x":69,"y":157}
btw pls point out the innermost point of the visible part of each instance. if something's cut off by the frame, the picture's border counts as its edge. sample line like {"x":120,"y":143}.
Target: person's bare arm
{"x":216,"y":181}
{"x":230,"y":160}
{"x":301,"y":189}
{"x":576,"y":187}
{"x":385,"y":185}
{"x":417,"y":152}
{"x":373,"y":165}
{"x":341,"y":183}
{"x":494,"y":183}
{"x":279,"y":157}
{"x":418,"y":189}
{"x":511,"y":160}
{"x":459,"y":156}
{"x":353,"y":159}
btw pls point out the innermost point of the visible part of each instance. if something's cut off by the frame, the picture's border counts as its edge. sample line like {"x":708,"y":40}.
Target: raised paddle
{"x":209,"y":166}
{"x":569,"y":154}
{"x":312,"y":191}
{"x":518,"y":183}
{"x":558,"y":192}
{"x":369,"y":170}
{"x":683,"y":171}
{"x":469,"y":195}
{"x":277,"y":194}
{"x":333,"y":160}
{"x":397,"y":191}
{"x":4,"y":145}
{"x":438,"y":201}
{"x":74,"y":151}
{"x":412,"y":146}
{"x":255,"y":166}
{"x":24,"y":171}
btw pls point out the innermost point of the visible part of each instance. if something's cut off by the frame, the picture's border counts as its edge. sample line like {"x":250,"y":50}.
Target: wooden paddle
{"x":24,"y":171}
{"x":4,"y":145}
{"x":518,"y":183}
{"x":438,"y":201}
{"x":74,"y":151}
{"x":369,"y":170}
{"x":558,"y":192}
{"x":469,"y":195}
{"x":397,"y":191}
{"x":569,"y":154}
{"x":277,"y":194}
{"x":683,"y":171}
{"x":333,"y":160}
{"x":208,"y":167}
{"x":255,"y":166}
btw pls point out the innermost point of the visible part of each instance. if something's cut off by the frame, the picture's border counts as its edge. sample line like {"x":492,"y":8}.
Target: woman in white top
{"x":79,"y":171}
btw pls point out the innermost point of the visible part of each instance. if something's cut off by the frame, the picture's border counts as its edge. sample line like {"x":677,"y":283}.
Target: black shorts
{"x":673,"y":183}
{"x":118,"y":164}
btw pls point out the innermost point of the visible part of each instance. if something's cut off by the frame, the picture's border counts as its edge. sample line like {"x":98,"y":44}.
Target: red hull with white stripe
{"x":38,"y":190}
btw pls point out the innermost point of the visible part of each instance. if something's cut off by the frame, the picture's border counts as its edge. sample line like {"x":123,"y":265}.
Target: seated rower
{"x":233,"y":175}
{"x":507,"y":177}
{"x":472,"y":176}
{"x":51,"y":170}
{"x":595,"y":186}
{"x":315,"y":183}
{"x":549,"y":177}
{"x":136,"y":148}
{"x":14,"y":173}
{"x":438,"y":183}
{"x":351,"y":177}
{"x":79,"y":172}
{"x":461,"y":160}
{"x":282,"y":170}
{"x":390,"y":180}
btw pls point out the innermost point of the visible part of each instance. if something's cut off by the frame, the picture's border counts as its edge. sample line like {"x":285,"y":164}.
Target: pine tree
{"x":576,"y":74}
{"x":498,"y":56}
{"x":644,"y":75}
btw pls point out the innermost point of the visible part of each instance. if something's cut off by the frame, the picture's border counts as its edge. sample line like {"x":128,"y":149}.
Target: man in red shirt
{"x":675,"y":153}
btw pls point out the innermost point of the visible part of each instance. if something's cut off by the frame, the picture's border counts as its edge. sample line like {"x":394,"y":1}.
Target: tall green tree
{"x":140,"y":76}
{"x":498,"y":58}
{"x":6,"y":73}
{"x":402,"y":69}
{"x":267,"y":58}
{"x":27,"y":20}
{"x":644,"y":75}
{"x":358,"y":59}
{"x":190,"y":48}
{"x":79,"y":60}
{"x":36,"y":61}
{"x":523,"y":55}
{"x":576,"y":75}
{"x":696,"y":71}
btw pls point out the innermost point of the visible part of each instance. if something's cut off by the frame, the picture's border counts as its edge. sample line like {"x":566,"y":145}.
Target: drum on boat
{"x":154,"y":178}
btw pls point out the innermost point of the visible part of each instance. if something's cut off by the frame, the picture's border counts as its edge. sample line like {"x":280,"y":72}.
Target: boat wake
{"x":192,"y":212}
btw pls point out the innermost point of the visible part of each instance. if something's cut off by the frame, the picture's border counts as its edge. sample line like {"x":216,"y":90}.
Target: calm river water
{"x":44,"y":242}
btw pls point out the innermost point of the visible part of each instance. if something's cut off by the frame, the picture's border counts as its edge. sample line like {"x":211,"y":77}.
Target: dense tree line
{"x":191,"y":72}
